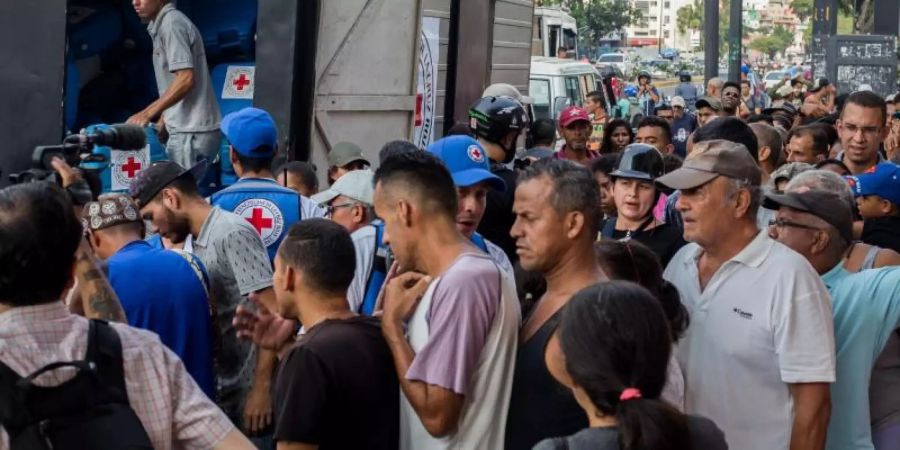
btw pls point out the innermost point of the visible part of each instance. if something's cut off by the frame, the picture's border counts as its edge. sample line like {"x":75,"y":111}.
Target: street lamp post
{"x":711,"y":39}
{"x":734,"y":40}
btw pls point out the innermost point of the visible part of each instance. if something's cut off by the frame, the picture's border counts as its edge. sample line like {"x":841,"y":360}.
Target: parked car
{"x":772,"y":78}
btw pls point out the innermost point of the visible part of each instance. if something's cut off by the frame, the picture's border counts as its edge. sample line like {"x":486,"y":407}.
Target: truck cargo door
{"x":365,"y":75}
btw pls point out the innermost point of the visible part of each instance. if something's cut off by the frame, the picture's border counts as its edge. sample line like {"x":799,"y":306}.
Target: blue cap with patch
{"x":882,"y":180}
{"x":466,"y":160}
{"x":251,"y":132}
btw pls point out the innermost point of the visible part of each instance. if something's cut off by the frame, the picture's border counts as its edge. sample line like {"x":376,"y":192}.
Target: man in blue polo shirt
{"x":866,"y":305}
{"x":160,"y":290}
{"x":256,"y":196}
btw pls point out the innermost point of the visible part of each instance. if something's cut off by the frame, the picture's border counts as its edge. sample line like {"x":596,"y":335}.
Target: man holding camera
{"x":186,"y":107}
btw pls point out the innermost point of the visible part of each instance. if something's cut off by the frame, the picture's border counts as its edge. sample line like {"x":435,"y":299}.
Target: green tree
{"x":597,"y":18}
{"x":773,"y":41}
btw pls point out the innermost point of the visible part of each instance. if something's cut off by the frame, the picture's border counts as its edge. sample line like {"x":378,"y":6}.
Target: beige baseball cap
{"x":710,"y":159}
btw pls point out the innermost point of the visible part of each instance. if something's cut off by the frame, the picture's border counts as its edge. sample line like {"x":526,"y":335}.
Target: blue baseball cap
{"x":466,"y":160}
{"x":251,"y":129}
{"x":882,"y":180}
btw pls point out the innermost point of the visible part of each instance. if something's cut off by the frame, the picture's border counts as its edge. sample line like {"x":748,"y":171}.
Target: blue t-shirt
{"x":160,"y":291}
{"x":681,"y":131}
{"x":866,"y":308}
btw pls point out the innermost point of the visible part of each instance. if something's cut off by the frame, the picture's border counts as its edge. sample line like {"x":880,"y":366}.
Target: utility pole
{"x":711,"y":39}
{"x":735,"y":31}
{"x":887,"y":17}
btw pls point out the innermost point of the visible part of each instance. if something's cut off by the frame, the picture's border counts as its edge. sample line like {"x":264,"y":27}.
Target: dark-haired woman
{"x":616,"y":137}
{"x":635,"y":195}
{"x":611,"y":349}
{"x":635,"y":262}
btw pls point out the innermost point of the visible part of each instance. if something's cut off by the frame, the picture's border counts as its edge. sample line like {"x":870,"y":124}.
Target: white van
{"x":558,"y":83}
{"x":620,"y":60}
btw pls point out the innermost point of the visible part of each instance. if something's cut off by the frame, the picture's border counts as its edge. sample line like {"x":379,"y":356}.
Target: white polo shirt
{"x":764,"y":321}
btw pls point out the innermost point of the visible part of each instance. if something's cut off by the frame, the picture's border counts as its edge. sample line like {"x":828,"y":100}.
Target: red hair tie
{"x":630,"y":394}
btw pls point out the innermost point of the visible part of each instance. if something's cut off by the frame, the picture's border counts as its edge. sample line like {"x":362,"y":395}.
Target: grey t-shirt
{"x":177,"y":45}
{"x":705,"y":435}
{"x":238,"y":264}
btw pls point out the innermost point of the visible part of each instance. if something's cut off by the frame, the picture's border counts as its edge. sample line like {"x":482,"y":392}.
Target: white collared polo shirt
{"x":763,"y":322}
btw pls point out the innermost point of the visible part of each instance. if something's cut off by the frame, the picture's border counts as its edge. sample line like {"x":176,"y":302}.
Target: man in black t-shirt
{"x":336,"y":387}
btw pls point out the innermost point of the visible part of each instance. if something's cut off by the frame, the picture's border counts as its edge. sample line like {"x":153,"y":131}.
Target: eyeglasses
{"x":853,"y":129}
{"x":329,"y":209}
{"x":781,"y":223}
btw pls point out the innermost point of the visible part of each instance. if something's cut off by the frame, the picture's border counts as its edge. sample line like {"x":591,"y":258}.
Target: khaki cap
{"x":711,"y":159}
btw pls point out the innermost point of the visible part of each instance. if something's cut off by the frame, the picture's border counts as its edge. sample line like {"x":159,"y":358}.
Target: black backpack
{"x":90,"y":411}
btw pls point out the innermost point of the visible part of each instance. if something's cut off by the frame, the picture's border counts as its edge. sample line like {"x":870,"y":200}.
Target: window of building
{"x":653,"y":32}
{"x":667,"y":5}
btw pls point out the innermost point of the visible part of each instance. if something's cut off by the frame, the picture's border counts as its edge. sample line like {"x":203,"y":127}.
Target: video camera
{"x":77,"y":149}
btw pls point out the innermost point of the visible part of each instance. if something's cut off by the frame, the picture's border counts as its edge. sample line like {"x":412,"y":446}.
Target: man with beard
{"x":238,"y":266}
{"x":731,"y":99}
{"x":575,"y":127}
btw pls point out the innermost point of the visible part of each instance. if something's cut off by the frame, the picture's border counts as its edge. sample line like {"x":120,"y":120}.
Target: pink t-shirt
{"x":659,"y":211}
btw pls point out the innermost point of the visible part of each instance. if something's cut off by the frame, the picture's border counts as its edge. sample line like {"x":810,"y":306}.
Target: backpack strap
{"x":105,"y":350}
{"x":13,"y":414}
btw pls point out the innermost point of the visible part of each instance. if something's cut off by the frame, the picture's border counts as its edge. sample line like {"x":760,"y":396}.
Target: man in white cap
{"x":683,"y":125}
{"x":348,"y":201}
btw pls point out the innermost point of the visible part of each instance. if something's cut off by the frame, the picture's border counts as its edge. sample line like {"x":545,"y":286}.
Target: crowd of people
{"x":718,"y":275}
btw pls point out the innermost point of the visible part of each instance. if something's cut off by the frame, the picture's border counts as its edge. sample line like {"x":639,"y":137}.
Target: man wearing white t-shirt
{"x":455,"y":356}
{"x":759,"y":354}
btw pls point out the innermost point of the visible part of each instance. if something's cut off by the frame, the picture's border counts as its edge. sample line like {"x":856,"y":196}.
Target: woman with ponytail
{"x":635,"y":262}
{"x":611,"y":349}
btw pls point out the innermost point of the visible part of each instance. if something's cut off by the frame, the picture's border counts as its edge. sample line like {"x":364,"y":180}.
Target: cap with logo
{"x":572,"y":114}
{"x":709,"y":102}
{"x":356,"y":185}
{"x":506,"y":90}
{"x":711,"y":159}
{"x":108,"y":211}
{"x":251,"y":132}
{"x":825,"y":205}
{"x":678,"y":101}
{"x":160,"y":174}
{"x":344,"y":153}
{"x":882,"y":180}
{"x":466,"y":160}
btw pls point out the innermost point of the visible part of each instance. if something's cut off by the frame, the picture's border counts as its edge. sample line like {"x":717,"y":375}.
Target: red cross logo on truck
{"x":240,"y":82}
{"x":131,"y":167}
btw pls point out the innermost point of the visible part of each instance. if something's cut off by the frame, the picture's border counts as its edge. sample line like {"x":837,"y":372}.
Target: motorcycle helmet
{"x":640,"y":162}
{"x":631,"y":91}
{"x":493,"y":118}
{"x":685,"y":77}
{"x":644,"y":74}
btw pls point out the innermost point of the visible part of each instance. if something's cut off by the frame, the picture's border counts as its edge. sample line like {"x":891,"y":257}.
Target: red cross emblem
{"x":131,"y":167}
{"x":258,"y":221}
{"x":240,"y":82}
{"x":475,"y":153}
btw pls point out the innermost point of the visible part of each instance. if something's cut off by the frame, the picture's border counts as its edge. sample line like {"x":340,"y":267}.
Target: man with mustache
{"x":862,"y":130}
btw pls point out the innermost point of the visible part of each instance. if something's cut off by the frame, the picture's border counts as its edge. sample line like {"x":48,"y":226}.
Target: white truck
{"x":327,"y":70}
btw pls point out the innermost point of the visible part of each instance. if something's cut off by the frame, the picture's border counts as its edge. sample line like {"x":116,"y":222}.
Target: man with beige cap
{"x":759,"y":354}
{"x":345,"y":157}
{"x":348,"y":201}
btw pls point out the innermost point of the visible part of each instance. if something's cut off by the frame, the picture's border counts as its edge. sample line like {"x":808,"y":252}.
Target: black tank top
{"x":540,"y":407}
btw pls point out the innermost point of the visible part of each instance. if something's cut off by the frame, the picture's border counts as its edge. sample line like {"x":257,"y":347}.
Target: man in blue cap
{"x":471,"y":173}
{"x":470,"y":168}
{"x":256,"y":196}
